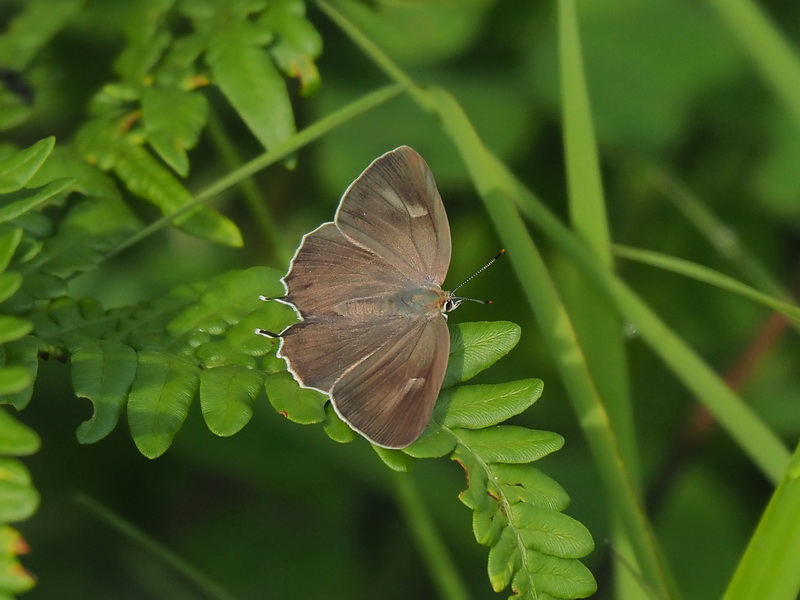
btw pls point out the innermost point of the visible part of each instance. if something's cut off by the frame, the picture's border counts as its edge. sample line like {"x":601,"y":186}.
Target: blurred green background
{"x":279,"y":510}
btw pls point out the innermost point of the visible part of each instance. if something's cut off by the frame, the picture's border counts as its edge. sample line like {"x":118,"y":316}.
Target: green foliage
{"x":156,"y":98}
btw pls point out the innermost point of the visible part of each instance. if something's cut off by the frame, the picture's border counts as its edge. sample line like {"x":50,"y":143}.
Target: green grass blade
{"x":766,"y":46}
{"x":757,"y":440}
{"x":445,"y":575}
{"x":768,"y":568}
{"x":720,"y":236}
{"x":497,"y":191}
{"x":706,"y":275}
{"x":132,"y":533}
{"x":596,"y":320}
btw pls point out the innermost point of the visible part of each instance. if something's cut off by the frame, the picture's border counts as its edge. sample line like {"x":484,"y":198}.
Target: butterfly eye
{"x":451,"y":304}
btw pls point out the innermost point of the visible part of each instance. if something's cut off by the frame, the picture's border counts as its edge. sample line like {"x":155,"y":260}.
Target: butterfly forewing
{"x":395,"y":210}
{"x":328,"y":269}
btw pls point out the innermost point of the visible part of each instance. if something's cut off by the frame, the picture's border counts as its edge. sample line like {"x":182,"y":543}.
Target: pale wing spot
{"x":413,"y":384}
{"x":413,"y":208}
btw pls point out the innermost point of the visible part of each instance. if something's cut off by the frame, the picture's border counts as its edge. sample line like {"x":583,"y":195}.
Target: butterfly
{"x":373,"y":332}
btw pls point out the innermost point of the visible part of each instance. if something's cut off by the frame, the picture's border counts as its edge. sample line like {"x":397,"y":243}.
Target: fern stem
{"x":126,"y":529}
{"x":441,"y":566}
{"x":250,"y":192}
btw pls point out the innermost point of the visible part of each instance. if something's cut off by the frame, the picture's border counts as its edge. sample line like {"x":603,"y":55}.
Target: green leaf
{"x":147,"y":178}
{"x":488,"y":525}
{"x":91,"y":227}
{"x":12,"y":328}
{"x":9,"y":240}
{"x":297,"y":43}
{"x":297,"y":404}
{"x":14,"y":579}
{"x":476,"y":495}
{"x":17,"y":203}
{"x":18,"y":498}
{"x":524,"y":483}
{"x":173,"y":120}
{"x":227,"y":301}
{"x":509,"y":444}
{"x":10,"y":282}
{"x":21,"y":354}
{"x":87,"y":179}
{"x":480,"y":406}
{"x":396,"y":460}
{"x":504,"y":560}
{"x":245,"y":74}
{"x":337,"y":430}
{"x":434,"y":442}
{"x":227,"y":394}
{"x":32,"y":28}
{"x":16,"y":170}
{"x":159,"y":400}
{"x":102,"y":372}
{"x":560,"y":577}
{"x":15,"y":438}
{"x":551,"y":532}
{"x":13,"y":380}
{"x":477,"y":346}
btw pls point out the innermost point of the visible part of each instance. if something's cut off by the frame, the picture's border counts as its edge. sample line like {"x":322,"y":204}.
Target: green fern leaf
{"x":18,"y":498}
{"x":480,"y":406}
{"x":9,"y":240}
{"x":10,"y":282}
{"x":524,"y":483}
{"x":246,"y":75}
{"x":509,"y":443}
{"x":16,"y":439}
{"x":297,"y":43}
{"x":159,"y":400}
{"x":335,"y":428}
{"x":17,"y":169}
{"x":17,"y":203}
{"x":396,"y":460}
{"x":101,"y":142}
{"x":232,"y":296}
{"x":477,"y":346}
{"x":13,"y":380}
{"x":20,"y":354}
{"x":227,"y":394}
{"x":13,"y":328}
{"x":533,"y":546}
{"x":173,"y":119}
{"x":299,"y":405}
{"x":91,"y":227}
{"x":102,"y":372}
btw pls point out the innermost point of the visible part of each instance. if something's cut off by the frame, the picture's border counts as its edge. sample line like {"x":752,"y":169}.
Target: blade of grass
{"x":706,"y":275}
{"x":757,"y":440}
{"x":292,"y":144}
{"x":769,"y":567}
{"x":719,"y":235}
{"x":497,"y":191}
{"x":129,"y":531}
{"x":766,"y":46}
{"x":445,"y":576}
{"x":256,"y":203}
{"x":596,"y":320}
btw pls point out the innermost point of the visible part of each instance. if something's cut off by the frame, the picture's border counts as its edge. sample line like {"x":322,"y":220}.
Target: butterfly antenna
{"x":475,"y":274}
